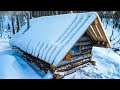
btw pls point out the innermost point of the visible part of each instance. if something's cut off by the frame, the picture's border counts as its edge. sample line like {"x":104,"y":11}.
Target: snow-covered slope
{"x":107,"y":66}
{"x":14,"y":67}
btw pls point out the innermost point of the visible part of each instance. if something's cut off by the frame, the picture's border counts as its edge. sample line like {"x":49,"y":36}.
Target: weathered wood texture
{"x":83,"y":43}
{"x":99,"y":44}
{"x":68,"y":56}
{"x":74,"y":59}
{"x":95,"y":31}
{"x":40,"y":63}
{"x":81,"y":50}
{"x":72,"y":66}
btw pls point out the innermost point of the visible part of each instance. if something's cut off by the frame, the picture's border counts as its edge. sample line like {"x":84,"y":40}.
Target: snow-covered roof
{"x":51,"y":37}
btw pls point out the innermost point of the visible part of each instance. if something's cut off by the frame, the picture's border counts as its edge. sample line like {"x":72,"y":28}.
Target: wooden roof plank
{"x":96,"y":32}
{"x":88,"y":32}
{"x":92,"y":32}
{"x":99,"y":32}
{"x":103,"y":31}
{"x":103,"y":34}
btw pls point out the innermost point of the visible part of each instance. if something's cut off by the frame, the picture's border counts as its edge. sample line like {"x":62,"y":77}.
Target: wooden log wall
{"x":39,"y":63}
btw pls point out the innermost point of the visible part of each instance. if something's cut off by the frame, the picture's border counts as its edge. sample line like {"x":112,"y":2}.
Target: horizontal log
{"x":78,"y":51}
{"x":72,"y":67}
{"x":99,"y":44}
{"x":82,"y":52}
{"x":83,"y":43}
{"x":86,"y":47}
{"x":74,"y":59}
{"x":38,"y":62}
{"x":68,"y":56}
{"x":85,"y":51}
{"x":79,"y":66}
{"x":84,"y":38}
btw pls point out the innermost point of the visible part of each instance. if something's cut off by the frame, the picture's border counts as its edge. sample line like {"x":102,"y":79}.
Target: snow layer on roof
{"x":51,"y":37}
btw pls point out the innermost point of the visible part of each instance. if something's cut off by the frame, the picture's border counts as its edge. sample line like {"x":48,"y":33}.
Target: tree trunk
{"x":12,"y":19}
{"x":0,"y":28}
{"x":1,"y":22}
{"x":28,"y":20}
{"x":30,"y":14}
{"x":17,"y":22}
{"x":55,"y":12}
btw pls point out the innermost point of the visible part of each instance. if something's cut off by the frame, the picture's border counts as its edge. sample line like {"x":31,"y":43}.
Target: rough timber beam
{"x":99,"y":44}
{"x":90,"y":29}
{"x":88,"y":32}
{"x":102,"y":32}
{"x":95,"y":32}
{"x":96,"y":29}
{"x":68,"y":56}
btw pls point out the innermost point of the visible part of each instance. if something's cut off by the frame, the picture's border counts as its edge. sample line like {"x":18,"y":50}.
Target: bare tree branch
{"x":112,"y":34}
{"x":115,"y":37}
{"x":116,"y":42}
{"x":117,"y":52}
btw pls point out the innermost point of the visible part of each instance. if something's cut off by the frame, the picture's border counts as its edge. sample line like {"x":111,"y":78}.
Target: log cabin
{"x":61,"y":42}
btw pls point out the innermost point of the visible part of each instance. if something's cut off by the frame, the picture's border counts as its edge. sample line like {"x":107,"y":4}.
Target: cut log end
{"x":93,"y":62}
{"x":52,"y":69}
{"x":107,"y":45}
{"x":90,"y":57}
{"x":95,"y":22}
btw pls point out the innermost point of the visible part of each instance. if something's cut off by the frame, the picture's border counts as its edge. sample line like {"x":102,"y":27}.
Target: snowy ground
{"x":107,"y":66}
{"x":13,"y":67}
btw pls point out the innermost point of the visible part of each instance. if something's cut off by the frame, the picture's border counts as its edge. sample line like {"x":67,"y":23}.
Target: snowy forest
{"x":108,"y":60}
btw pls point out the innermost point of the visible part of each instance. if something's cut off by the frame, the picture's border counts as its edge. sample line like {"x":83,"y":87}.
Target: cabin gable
{"x":82,"y":49}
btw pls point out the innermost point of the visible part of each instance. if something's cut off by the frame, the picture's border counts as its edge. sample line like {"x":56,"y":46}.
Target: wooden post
{"x":68,"y":56}
{"x":80,"y":48}
{"x":107,"y":45}
{"x":57,"y":76}
{"x":91,"y":51}
{"x":50,"y":65}
{"x":90,"y":58}
{"x":52,"y":69}
{"x":93,"y":62}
